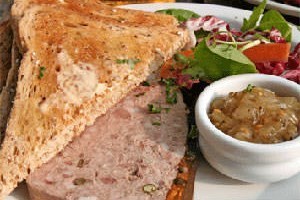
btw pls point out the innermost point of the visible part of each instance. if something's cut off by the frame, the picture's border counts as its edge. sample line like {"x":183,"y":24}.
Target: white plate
{"x":209,"y":184}
{"x":283,"y":8}
{"x":234,"y":16}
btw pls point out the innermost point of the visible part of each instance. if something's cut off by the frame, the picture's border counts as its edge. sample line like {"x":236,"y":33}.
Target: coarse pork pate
{"x":123,"y":151}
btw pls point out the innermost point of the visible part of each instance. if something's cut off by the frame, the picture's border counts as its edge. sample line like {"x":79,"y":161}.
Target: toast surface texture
{"x":79,"y":59}
{"x":125,"y":150}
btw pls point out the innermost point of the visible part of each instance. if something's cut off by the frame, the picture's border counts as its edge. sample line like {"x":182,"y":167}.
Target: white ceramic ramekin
{"x":249,"y":162}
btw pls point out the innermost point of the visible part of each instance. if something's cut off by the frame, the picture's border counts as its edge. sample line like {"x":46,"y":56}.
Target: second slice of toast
{"x":5,"y":40}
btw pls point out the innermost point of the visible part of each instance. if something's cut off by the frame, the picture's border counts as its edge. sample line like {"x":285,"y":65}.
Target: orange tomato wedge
{"x":268,"y":52}
{"x":170,"y":70}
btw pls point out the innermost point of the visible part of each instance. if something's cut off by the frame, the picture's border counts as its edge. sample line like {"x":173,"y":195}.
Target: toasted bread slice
{"x":78,"y":61}
{"x":6,"y":38}
{"x":5,"y":46}
{"x":8,"y":92}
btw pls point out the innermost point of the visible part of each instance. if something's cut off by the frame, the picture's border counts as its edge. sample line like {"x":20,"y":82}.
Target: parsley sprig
{"x":193,"y":133}
{"x":249,"y":88}
{"x":171,"y":91}
{"x":131,"y":62}
{"x":154,"y":109}
{"x":42,"y":72}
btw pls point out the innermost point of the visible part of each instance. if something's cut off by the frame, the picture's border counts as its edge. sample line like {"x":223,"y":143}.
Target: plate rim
{"x":283,"y":8}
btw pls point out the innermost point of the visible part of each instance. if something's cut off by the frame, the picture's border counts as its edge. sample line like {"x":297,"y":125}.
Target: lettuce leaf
{"x":269,"y":20}
{"x":217,"y":61}
{"x":180,"y":14}
{"x":254,"y":17}
{"x":274,"y":19}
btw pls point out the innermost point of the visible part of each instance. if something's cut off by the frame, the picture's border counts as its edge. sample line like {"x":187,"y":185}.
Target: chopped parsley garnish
{"x":131,"y":62}
{"x":193,"y":133}
{"x":42,"y":72}
{"x":154,"y":109}
{"x":181,"y":59}
{"x":156,"y":123}
{"x":171,"y":91}
{"x":249,"y":88}
{"x":149,"y":188}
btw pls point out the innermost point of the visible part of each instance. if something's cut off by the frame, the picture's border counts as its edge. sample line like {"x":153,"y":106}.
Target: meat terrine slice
{"x":131,"y":153}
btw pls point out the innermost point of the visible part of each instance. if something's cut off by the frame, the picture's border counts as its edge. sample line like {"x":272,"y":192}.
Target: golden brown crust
{"x":69,"y":74}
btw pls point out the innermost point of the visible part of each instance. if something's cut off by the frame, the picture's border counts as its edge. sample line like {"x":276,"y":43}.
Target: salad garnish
{"x":251,"y":22}
{"x":262,"y":45}
{"x":215,"y":61}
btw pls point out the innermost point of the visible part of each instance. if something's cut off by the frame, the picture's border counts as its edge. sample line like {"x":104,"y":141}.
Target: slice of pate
{"x":132,"y":152}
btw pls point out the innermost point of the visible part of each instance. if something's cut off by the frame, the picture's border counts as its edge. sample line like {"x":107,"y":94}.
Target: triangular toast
{"x":79,"y":59}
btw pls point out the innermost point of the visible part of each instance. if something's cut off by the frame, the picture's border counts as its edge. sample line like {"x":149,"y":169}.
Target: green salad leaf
{"x":201,"y":33}
{"x":217,"y":61}
{"x":272,"y":19}
{"x":254,"y":17}
{"x":269,"y":20}
{"x":180,"y":14}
